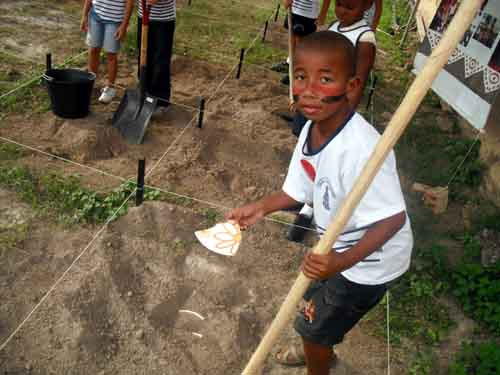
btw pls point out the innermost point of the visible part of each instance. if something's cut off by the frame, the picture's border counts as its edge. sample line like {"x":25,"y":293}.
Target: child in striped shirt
{"x":106,"y":23}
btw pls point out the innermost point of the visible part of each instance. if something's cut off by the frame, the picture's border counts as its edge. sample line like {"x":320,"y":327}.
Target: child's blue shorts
{"x":338,"y":305}
{"x":102,"y":34}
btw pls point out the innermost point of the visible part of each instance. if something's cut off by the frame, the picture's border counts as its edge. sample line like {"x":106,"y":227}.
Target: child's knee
{"x":112,"y":57}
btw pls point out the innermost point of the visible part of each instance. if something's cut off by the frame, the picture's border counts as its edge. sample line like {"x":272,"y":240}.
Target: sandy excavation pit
{"x":124,"y":308}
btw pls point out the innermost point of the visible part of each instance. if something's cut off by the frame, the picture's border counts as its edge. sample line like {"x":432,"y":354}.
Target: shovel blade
{"x":128,"y":109}
{"x":133,"y":130}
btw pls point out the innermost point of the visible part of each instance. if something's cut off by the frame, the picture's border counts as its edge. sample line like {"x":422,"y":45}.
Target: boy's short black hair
{"x":332,"y":42}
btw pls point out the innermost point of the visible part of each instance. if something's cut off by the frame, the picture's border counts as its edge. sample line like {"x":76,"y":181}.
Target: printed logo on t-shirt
{"x":326,"y":188}
{"x":309,"y":169}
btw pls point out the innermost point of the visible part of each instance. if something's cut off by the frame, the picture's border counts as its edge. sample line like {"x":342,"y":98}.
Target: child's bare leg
{"x":318,"y":358}
{"x":94,"y":59}
{"x":112,"y":68}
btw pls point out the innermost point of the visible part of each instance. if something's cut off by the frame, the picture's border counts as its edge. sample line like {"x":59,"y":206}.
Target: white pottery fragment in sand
{"x":223,"y":238}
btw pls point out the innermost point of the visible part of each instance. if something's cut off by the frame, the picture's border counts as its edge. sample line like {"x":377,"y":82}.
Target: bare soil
{"x":122,"y":307}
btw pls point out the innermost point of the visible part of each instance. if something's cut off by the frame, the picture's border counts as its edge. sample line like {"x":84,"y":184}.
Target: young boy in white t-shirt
{"x":332,"y":149}
{"x":350,"y":23}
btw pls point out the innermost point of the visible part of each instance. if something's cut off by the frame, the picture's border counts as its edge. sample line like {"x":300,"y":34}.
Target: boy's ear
{"x":353,"y":84}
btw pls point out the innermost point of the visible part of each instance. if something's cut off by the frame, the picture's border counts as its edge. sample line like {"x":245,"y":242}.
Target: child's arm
{"x":377,"y":15}
{"x":322,"y":14}
{"x":319,"y":267}
{"x":122,"y":30}
{"x":365,"y":58}
{"x":249,"y":214}
{"x":84,"y":23}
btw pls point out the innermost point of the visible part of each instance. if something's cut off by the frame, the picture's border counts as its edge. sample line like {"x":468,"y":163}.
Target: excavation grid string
{"x":111,"y":217}
{"x":34,"y":79}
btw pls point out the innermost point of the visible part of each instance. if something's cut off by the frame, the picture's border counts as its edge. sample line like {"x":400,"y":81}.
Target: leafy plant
{"x":477,"y":359}
{"x":477,"y":288}
{"x":65,"y":197}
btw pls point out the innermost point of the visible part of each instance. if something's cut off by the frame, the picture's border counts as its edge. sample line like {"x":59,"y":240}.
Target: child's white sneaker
{"x":107,"y":95}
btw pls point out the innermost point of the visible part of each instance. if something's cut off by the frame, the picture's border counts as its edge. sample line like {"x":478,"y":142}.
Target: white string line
{"x":220,"y":21}
{"x":47,"y":294}
{"x":32,"y":80}
{"x":21,"y":58}
{"x":64,"y":159}
{"x":253,"y":5}
{"x":152,"y":187}
{"x":227,"y":57}
{"x":51,"y":289}
{"x":194,"y":117}
{"x":464,"y":159}
{"x":388,"y":336}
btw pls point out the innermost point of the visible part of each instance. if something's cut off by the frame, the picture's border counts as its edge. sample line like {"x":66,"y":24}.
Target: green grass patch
{"x":65,"y":198}
{"x":9,"y":151}
{"x":432,"y":156}
{"x":477,"y":359}
{"x":416,"y":312}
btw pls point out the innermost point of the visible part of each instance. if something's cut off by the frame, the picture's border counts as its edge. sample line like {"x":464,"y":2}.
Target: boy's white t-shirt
{"x":323,"y":178}
{"x":359,"y":31}
{"x":306,"y":8}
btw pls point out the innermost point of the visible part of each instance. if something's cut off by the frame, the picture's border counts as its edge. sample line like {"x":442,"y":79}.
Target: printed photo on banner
{"x":470,"y":81}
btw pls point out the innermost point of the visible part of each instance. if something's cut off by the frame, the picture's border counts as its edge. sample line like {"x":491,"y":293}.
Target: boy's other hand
{"x":121,"y":32}
{"x":84,"y":24}
{"x":246,"y":215}
{"x":320,"y":267}
{"x":287,"y":3}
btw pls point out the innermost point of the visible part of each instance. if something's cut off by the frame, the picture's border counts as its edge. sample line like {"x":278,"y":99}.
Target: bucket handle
{"x":47,"y":78}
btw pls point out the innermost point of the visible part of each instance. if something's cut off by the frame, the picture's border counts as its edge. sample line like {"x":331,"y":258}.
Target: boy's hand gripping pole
{"x":454,"y":33}
{"x":291,"y":50}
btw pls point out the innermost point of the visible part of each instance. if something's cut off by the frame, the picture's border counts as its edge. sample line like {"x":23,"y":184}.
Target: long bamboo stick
{"x":291,"y":51}
{"x":454,"y":33}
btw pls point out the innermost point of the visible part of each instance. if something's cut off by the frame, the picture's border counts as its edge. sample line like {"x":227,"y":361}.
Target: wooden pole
{"x":410,"y":19}
{"x":454,"y":33}
{"x":290,"y":55}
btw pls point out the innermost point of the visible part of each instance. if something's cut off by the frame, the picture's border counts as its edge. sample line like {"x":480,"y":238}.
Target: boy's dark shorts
{"x":338,"y":304}
{"x":302,"y":26}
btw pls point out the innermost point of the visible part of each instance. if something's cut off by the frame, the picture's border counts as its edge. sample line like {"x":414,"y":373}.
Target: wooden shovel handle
{"x":454,"y":33}
{"x":144,"y":33}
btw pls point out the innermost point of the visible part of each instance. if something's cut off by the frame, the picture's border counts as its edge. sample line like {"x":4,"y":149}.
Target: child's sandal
{"x":291,"y":356}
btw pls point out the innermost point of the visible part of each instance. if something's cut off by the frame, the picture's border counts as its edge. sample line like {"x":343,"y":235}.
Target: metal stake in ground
{"x":139,"y":193}
{"x":48,"y":61}
{"x":242,"y":55}
{"x":277,"y":12}
{"x":265,"y":31}
{"x":200,"y":115}
{"x":454,"y":33}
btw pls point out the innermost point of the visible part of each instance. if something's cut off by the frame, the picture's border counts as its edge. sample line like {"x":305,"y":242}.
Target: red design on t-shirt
{"x":309,"y":169}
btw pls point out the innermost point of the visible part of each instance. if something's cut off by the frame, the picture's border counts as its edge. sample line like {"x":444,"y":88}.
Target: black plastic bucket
{"x":70,"y":91}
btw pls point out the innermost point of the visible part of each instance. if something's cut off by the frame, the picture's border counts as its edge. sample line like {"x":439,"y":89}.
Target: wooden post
{"x":277,"y":12}
{"x":412,"y":15}
{"x":395,"y":128}
{"x":291,"y":50}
